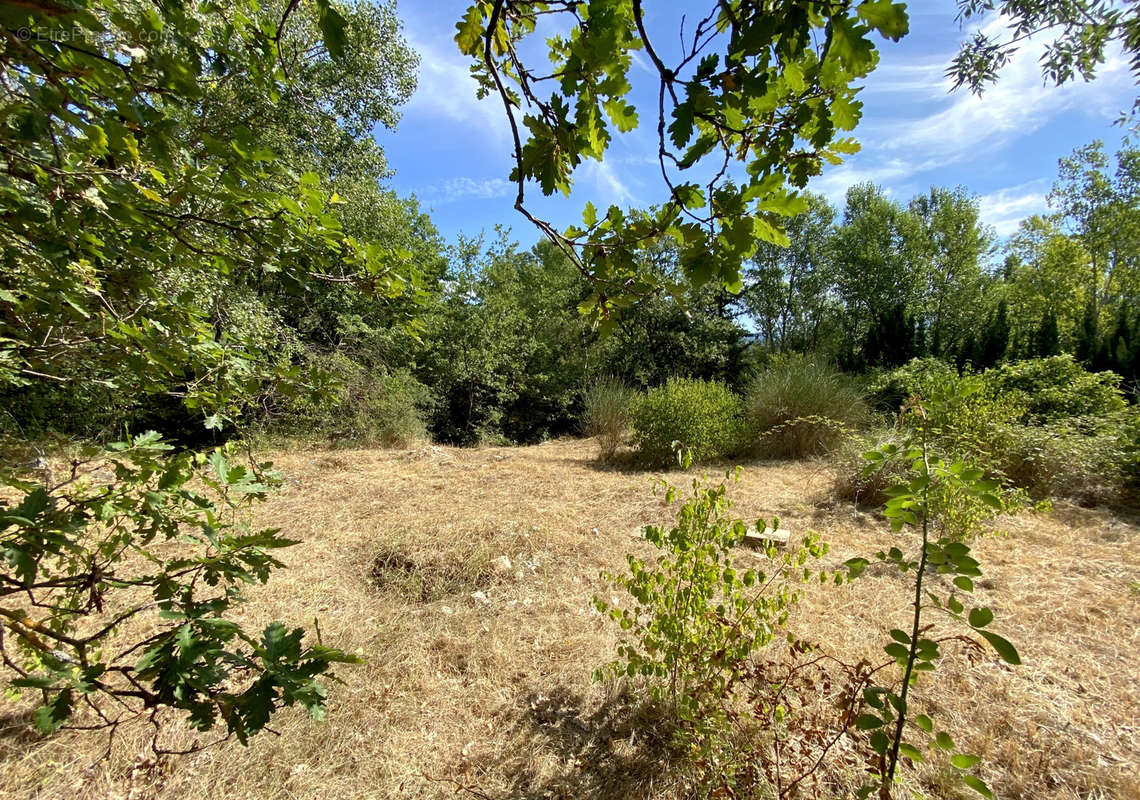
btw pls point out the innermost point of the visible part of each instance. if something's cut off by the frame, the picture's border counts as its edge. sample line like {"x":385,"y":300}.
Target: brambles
{"x":608,"y":404}
{"x":802,"y":407}
{"x":1046,"y":426}
{"x":1057,"y":388}
{"x":701,"y":417}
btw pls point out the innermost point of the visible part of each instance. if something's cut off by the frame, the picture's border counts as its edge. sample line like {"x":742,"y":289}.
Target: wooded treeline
{"x":214,"y":265}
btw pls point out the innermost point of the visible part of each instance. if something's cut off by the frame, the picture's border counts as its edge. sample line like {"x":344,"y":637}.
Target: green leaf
{"x":850,"y":47}
{"x":332,"y":26}
{"x":49,"y":718}
{"x":622,"y":114}
{"x":963,"y":761}
{"x":978,"y":785}
{"x":868,"y":722}
{"x":992,"y":501}
{"x":944,"y":741}
{"x":964,"y":583}
{"x":1004,"y":649}
{"x":911,"y":752}
{"x":897,"y":651}
{"x":590,"y":215}
{"x":888,"y":18}
{"x":981,"y":617}
{"x":924,"y":722}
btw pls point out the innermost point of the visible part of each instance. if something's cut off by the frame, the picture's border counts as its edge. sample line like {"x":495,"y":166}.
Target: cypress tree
{"x":1086,"y":346}
{"x":1120,"y":344}
{"x":995,"y":339}
{"x":1048,"y":340}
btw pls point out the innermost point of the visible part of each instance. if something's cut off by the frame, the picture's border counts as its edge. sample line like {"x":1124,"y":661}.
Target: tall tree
{"x":124,"y":215}
{"x":1048,"y":340}
{"x":879,"y":264}
{"x":788,"y":291}
{"x":1045,"y":276}
{"x":954,"y":244}
{"x":1101,"y":209}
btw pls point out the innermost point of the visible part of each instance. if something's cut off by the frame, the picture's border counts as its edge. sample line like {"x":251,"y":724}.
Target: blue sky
{"x":453,"y":151}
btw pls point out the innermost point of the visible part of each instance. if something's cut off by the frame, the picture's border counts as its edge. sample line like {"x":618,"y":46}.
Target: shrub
{"x":1131,"y":446}
{"x":696,"y":618}
{"x":1056,"y":388}
{"x":889,"y":390}
{"x":608,"y":404}
{"x":1082,"y":458}
{"x":361,"y":406}
{"x":802,"y":407}
{"x":703,"y":417}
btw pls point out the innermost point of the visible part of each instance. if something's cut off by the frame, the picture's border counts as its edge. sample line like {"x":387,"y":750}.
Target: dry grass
{"x":477,"y":675}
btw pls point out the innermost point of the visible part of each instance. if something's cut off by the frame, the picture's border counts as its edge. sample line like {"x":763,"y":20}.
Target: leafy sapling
{"x":941,"y":501}
{"x":699,"y":616}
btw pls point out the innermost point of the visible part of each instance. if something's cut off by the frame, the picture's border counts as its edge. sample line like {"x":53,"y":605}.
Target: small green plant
{"x":698,"y":617}
{"x":608,"y":404}
{"x":703,"y":417}
{"x":943,"y":502}
{"x":802,"y":407}
{"x":93,"y":551}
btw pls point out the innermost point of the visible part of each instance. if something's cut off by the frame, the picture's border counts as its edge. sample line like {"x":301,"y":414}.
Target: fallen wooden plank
{"x":778,"y":538}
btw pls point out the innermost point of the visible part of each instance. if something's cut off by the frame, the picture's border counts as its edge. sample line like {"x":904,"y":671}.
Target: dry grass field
{"x":477,"y":680}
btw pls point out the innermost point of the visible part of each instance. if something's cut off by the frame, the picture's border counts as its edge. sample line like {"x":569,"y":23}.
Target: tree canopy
{"x":754,"y":104}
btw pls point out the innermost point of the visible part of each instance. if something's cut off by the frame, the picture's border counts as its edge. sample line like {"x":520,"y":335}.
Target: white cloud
{"x":926,"y":78}
{"x":917,"y":124}
{"x":834,"y":182}
{"x":1005,"y":208}
{"x":609,"y":187}
{"x":964,"y":125}
{"x":468,"y":188}
{"x":447,"y":90}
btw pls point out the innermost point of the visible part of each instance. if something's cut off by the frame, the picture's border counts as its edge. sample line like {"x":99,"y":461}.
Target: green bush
{"x":802,"y":407}
{"x":360,"y":406}
{"x":703,"y":417}
{"x":1131,"y":447}
{"x":699,"y":617}
{"x":1086,"y":458}
{"x":1057,"y":388}
{"x":608,"y":404}
{"x":889,"y":390}
{"x":1081,"y":458}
